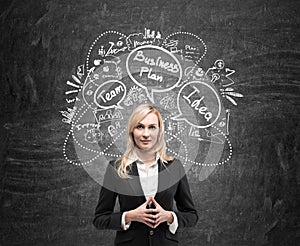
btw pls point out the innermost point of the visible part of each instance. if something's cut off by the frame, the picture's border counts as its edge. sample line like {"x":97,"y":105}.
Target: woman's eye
{"x":152,"y":127}
{"x":139,"y":127}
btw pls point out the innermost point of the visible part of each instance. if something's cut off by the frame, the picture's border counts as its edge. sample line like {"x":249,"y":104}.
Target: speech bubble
{"x":110,"y":94}
{"x":190,"y":46}
{"x":198,"y":98}
{"x":154,"y":69}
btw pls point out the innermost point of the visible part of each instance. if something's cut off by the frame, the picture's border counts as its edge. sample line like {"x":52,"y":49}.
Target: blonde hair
{"x":160,"y":148}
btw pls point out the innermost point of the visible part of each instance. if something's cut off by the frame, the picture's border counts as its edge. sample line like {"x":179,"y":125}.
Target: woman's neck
{"x":146,"y":156}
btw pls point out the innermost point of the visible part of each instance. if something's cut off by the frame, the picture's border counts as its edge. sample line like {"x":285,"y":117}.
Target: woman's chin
{"x":145,"y":147}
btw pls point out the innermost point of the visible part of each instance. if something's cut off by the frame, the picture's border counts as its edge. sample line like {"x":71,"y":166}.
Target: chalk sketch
{"x":228,"y":93}
{"x":188,"y":45}
{"x":80,"y":71}
{"x":155,"y":62}
{"x":135,"y":94}
{"x":122,"y":71}
{"x":219,"y":74}
{"x":201,"y":99}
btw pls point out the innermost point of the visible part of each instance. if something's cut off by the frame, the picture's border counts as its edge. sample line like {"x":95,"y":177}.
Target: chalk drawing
{"x":188,"y":45}
{"x":168,"y":102}
{"x":152,"y":63}
{"x":68,"y":114}
{"x":136,"y":40}
{"x":219,"y":74}
{"x":201,"y":99}
{"x":134,"y":95}
{"x":76,"y":84}
{"x":123,"y":71}
{"x":110,"y":94}
{"x":80,"y":71}
{"x":229,"y":93}
{"x":106,"y":46}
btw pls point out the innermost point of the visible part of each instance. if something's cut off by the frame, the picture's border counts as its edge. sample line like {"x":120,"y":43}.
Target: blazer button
{"x":151,"y":232}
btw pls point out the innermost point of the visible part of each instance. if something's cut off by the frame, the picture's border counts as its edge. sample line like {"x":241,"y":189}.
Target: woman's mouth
{"x":145,"y":141}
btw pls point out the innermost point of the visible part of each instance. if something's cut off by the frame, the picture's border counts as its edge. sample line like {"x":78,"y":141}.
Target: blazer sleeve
{"x":105,"y":217}
{"x":187,"y":214}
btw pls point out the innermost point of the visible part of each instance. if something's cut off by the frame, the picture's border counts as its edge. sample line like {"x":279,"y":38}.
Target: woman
{"x":146,"y":181}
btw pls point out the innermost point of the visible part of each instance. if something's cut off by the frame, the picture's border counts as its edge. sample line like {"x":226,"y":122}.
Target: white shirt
{"x":149,"y":183}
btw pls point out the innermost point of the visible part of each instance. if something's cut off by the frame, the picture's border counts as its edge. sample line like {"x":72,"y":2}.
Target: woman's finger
{"x":151,"y":215}
{"x":144,"y":205}
{"x":148,"y":216}
{"x":149,"y":224}
{"x":150,"y":211}
{"x":156,"y":224}
{"x":156,"y":204}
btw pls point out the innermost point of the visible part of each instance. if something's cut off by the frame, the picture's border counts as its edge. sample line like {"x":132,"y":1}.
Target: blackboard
{"x":252,"y":199}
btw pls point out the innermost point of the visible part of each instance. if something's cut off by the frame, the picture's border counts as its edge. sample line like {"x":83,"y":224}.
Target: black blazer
{"x":139,"y":233}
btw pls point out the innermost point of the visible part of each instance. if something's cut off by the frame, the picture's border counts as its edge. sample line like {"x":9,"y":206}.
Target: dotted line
{"x":169,"y":116}
{"x":74,"y":138}
{"x":229,"y":144}
{"x":185,"y":158}
{"x":68,"y":135}
{"x":193,"y":35}
{"x":112,"y":155}
{"x":84,"y":147}
{"x":96,"y":40}
{"x":209,"y":164}
{"x":222,"y":162}
{"x":175,"y":135}
{"x":64,"y":150}
{"x":67,"y":138}
{"x":114,"y":140}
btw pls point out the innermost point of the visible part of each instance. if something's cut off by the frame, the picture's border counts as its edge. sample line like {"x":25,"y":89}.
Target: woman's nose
{"x":146,"y":132}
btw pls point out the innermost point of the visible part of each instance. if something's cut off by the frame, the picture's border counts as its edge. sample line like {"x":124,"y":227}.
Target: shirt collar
{"x":134,"y":157}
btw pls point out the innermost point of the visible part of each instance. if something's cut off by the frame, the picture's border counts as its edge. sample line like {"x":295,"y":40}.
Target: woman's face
{"x":145,"y":134}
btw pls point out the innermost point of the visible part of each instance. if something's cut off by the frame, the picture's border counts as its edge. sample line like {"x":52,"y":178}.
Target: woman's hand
{"x":161,"y":215}
{"x":142,"y":214}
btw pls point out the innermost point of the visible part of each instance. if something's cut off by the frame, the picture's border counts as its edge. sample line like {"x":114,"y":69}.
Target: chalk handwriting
{"x":123,"y":71}
{"x":198,"y":104}
{"x":80,"y":71}
{"x":79,"y":127}
{"x":112,"y":50}
{"x":171,"y":67}
{"x":68,"y":114}
{"x":109,"y":95}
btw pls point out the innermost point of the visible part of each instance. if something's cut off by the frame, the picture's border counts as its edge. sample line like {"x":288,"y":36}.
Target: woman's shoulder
{"x":112,"y":167}
{"x":174,"y":162}
{"x":114,"y":163}
{"x":111,"y":162}
{"x":174,"y":169}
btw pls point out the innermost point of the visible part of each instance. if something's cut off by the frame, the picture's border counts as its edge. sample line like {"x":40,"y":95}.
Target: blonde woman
{"x":146,"y":181}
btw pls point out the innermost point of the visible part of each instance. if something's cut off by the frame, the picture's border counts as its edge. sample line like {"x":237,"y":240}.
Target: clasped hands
{"x":152,"y":217}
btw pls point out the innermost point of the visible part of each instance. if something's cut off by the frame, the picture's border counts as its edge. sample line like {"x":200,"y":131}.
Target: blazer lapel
{"x":134,"y":182}
{"x":163,"y":180}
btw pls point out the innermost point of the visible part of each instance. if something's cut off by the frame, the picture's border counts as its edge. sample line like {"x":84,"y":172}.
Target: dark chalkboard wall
{"x":252,"y":200}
